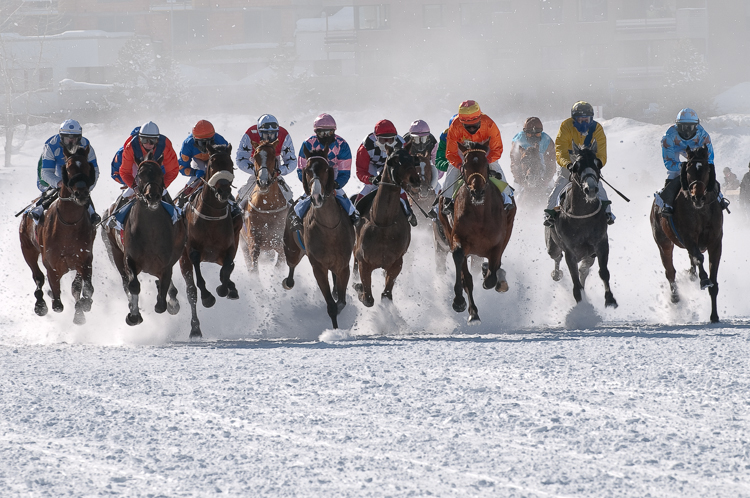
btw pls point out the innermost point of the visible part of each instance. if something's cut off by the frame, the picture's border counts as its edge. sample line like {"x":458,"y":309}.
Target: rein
{"x":210,"y":218}
{"x":578,"y":182}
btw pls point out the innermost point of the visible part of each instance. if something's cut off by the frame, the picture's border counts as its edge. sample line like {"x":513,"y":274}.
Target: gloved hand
{"x":374,"y":180}
{"x":199,"y":173}
{"x":336,"y":185}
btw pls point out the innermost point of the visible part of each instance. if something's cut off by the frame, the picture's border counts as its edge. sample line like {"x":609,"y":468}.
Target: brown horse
{"x":64,"y":238}
{"x":384,"y":237}
{"x":481,"y":226}
{"x":327,"y":238}
{"x":149,"y":242}
{"x":696,"y":225}
{"x":266,"y":210}
{"x":212,"y":233}
{"x":532,"y":176}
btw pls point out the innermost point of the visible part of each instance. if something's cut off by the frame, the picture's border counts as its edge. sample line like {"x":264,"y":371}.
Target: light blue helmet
{"x":687,"y":115}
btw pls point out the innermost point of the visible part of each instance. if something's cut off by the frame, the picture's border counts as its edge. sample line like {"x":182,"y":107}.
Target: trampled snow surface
{"x":544,"y":398}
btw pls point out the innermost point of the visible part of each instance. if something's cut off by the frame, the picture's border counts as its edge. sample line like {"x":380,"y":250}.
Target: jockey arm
{"x":363,"y":165}
{"x":549,"y":160}
{"x":170,"y":164}
{"x":244,"y":158}
{"x":441,"y":162}
{"x":496,"y":143}
{"x":128,"y":165}
{"x":288,"y":159}
{"x":515,"y":160}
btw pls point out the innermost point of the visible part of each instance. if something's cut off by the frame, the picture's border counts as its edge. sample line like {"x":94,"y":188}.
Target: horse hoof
{"x":287,"y":284}
{"x":196,"y":333}
{"x":502,"y":286}
{"x":160,"y":307}
{"x":335,"y":294}
{"x":40,"y":308}
{"x":57,"y":306}
{"x":79,"y":318}
{"x":340,"y":306}
{"x":714,"y":318}
{"x":358,"y":287}
{"x":610,"y":302}
{"x":675,"y":298}
{"x":706,"y":283}
{"x":222,"y":291}
{"x":133,"y":320}
{"x":459,"y":306}
{"x":489,"y":282}
{"x":208,"y":301}
{"x":557,"y":275}
{"x":233,"y":294}
{"x":386,"y":295}
{"x":86,"y":304}
{"x":367,"y":302}
{"x":485,"y":271}
{"x":173,"y":308}
{"x":474,"y":319}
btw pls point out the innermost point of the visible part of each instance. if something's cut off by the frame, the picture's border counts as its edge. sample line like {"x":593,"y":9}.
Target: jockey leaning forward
{"x":686,"y":132}
{"x":472,"y":126}
{"x":266,"y":130}
{"x":371,"y":157}
{"x":49,"y":169}
{"x":532,"y":135}
{"x":583,"y":130}
{"x":340,"y":158}
{"x":422,"y":140}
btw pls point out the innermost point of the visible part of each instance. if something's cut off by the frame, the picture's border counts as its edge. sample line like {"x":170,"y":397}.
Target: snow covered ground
{"x":543,"y":398}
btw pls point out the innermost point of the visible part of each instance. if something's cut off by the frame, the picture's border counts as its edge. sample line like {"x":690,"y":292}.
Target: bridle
{"x":140,"y":192}
{"x":476,"y":173}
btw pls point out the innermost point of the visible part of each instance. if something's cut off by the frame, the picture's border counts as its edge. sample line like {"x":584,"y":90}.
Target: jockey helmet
{"x":385,"y":128}
{"x":687,"y":123}
{"x":469,"y":112}
{"x":203,"y":129}
{"x":70,"y":135}
{"x":149,"y":129}
{"x":324,"y":122}
{"x":268,"y":127}
{"x":419,"y":129}
{"x":581,"y":109}
{"x":533,"y":125}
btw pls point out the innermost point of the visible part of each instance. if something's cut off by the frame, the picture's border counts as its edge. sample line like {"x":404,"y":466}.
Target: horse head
{"x":400,"y":169}
{"x":318,"y":179}
{"x":264,"y":161}
{"x":585,"y":169}
{"x":531,"y":164}
{"x":220,"y":171}
{"x":697,"y":176}
{"x":475,"y":169}
{"x":78,"y":176}
{"x":423,"y":162}
{"x":149,"y":181}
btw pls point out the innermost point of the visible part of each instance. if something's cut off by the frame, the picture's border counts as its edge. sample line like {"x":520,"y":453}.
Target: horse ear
{"x":683,"y":176}
{"x":306,"y":152}
{"x":688,"y":150}
{"x":211,"y":149}
{"x":304,"y":180}
{"x":485,"y":143}
{"x":594,"y":146}
{"x":711,"y":178}
{"x":331,"y":181}
{"x":576,"y":150}
{"x":64,"y":173}
{"x":229,"y":148}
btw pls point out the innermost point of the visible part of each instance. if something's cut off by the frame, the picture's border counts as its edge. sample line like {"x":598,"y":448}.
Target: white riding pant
{"x":247,"y":188}
{"x":561,"y":180}
{"x":454,"y":174}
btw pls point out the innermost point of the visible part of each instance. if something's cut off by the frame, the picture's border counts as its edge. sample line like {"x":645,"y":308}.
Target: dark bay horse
{"x":481,"y":226}
{"x":64,"y":238}
{"x":580,"y":231}
{"x":532,"y":176}
{"x":266,"y":210}
{"x":212,"y":233}
{"x":149,"y":242}
{"x":328,"y":235}
{"x":696,"y":225}
{"x":384,"y":236}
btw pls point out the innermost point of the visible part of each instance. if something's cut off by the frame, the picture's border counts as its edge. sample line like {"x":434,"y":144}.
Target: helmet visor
{"x":149,"y":140}
{"x":268,"y":135}
{"x":70,"y":140}
{"x":325,"y":133}
{"x":686,"y":131}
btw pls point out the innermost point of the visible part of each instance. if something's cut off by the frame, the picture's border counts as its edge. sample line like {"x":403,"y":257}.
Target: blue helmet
{"x":687,"y":115}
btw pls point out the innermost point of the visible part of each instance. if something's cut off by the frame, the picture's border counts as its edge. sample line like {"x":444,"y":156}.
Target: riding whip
{"x":28,"y":206}
{"x":610,"y":186}
{"x":415,"y":203}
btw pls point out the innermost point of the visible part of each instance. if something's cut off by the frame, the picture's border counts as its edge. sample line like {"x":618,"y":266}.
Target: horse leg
{"x":585,"y":267}
{"x":163,"y":285}
{"x":341,"y":280}
{"x":288,"y":282}
{"x":364,"y":288}
{"x":459,"y":260}
{"x":666,"y":250}
{"x":53,"y":277}
{"x":390,"y":278}
{"x":321,"y":276}
{"x":31,"y":255}
{"x":602,"y":252}
{"x":570,"y":260}
{"x":255,"y":255}
{"x":227,"y":288}
{"x":714,"y":257}
{"x":207,"y":298}
{"x":173,"y":305}
{"x":554,"y":252}
{"x":192,"y":294}
{"x":489,"y":276}
{"x":133,"y":291}
{"x":696,"y":259}
{"x":334,"y":288}
{"x":468,"y":282}
{"x":82,"y":285}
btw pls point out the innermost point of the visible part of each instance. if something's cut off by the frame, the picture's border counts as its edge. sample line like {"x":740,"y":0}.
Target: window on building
{"x":372,"y":17}
{"x":646,"y":9}
{"x":592,"y":10}
{"x":189,"y":27}
{"x":551,"y":11}
{"x":691,"y":4}
{"x":432,"y":15}
{"x":45,"y":78}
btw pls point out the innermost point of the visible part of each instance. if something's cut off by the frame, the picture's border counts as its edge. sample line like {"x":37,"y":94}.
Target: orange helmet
{"x":203,"y":129}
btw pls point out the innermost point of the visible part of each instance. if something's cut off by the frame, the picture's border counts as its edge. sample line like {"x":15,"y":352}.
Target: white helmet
{"x":149,"y":129}
{"x":70,"y":127}
{"x":268,"y":127}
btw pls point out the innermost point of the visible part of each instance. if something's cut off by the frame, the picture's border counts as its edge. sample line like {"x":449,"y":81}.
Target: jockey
{"x":422,"y":140}
{"x":532,"y":135}
{"x":472,"y":126}
{"x":371,"y":157}
{"x":49,"y":169}
{"x":193,"y":159}
{"x":441,"y":163}
{"x":340,"y":157}
{"x":142,"y":140}
{"x":686,"y":132}
{"x":731,"y":182}
{"x":583,"y":130}
{"x":267,"y":129}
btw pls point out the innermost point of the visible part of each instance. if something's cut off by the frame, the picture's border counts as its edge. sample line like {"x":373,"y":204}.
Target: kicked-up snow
{"x":543,"y":398}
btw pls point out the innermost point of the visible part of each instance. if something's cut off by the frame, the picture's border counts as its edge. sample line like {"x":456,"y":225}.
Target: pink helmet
{"x":419,"y":128}
{"x":324,"y":122}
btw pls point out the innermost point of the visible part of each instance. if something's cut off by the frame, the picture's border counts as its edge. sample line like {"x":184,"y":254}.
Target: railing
{"x":640,"y":71}
{"x":343,"y":37}
{"x":657,"y":24}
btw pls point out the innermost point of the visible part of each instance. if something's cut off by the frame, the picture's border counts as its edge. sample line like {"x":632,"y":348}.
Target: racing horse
{"x":580,"y":230}
{"x":327,"y":235}
{"x":212,"y":233}
{"x":696,"y":225}
{"x":266,"y":210}
{"x":481,"y":226}
{"x":149,"y":242}
{"x":385,"y":234}
{"x":532,"y":176}
{"x":64,"y":237}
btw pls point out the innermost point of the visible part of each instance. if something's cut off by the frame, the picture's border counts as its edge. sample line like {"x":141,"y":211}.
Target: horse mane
{"x":478,"y":145}
{"x":316,"y":153}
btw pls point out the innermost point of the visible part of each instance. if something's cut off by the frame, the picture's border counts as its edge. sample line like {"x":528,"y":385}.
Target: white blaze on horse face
{"x":592,"y":185}
{"x":263,"y":167}
{"x":316,"y":189}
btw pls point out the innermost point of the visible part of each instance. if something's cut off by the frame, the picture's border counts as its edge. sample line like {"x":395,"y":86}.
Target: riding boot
{"x":409,"y":214}
{"x":668,"y":196}
{"x":295,"y":223}
{"x":448,"y":207}
{"x":355,"y":218}
{"x":36,"y":212}
{"x":95,"y":218}
{"x":549,"y":217}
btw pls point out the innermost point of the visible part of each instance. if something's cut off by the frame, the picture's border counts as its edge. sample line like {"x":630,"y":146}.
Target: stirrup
{"x":412,"y":219}
{"x":724,"y":203}
{"x":610,"y":219}
{"x":296,"y":223}
{"x":667,"y":211}
{"x":448,"y":208}
{"x":36,"y":212}
{"x":432,"y":213}
{"x":95,"y":218}
{"x":355,"y":218}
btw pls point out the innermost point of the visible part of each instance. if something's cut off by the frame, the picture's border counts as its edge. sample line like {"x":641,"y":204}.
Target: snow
{"x":543,"y":398}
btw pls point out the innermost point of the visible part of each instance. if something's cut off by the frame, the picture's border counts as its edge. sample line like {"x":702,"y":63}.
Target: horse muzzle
{"x":477,"y":197}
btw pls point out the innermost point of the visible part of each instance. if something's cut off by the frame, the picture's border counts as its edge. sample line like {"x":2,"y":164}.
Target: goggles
{"x":71,"y":140}
{"x":687,"y":130}
{"x":537,"y":134}
{"x":269,"y":135}
{"x":149,"y":140}
{"x":583,"y":119}
{"x":420,"y":139}
{"x":387,"y":140}
{"x":325,"y":133}
{"x":202,"y":143}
